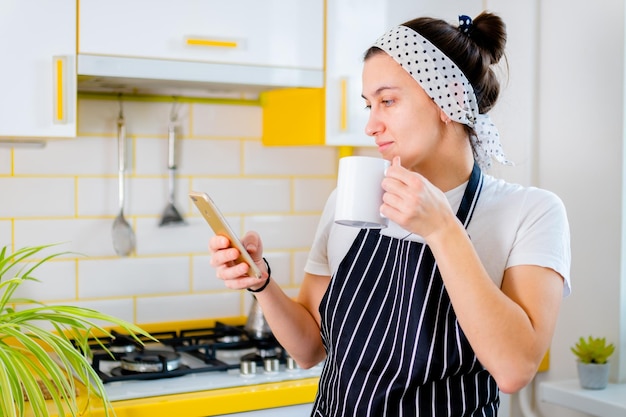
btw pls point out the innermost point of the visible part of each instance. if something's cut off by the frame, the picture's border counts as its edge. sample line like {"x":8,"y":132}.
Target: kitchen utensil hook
{"x":174,"y":111}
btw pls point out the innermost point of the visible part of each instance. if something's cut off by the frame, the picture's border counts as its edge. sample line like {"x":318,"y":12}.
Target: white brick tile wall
{"x":298,"y":266}
{"x":80,"y":156}
{"x":188,"y":307}
{"x":89,"y":237}
{"x":67,"y":192}
{"x":191,"y":237}
{"x":216,"y":120}
{"x":203,"y":274}
{"x":122,"y":308}
{"x":97,"y":117}
{"x":310,"y":194}
{"x":151,"y":155}
{"x":5,"y":161}
{"x":280,"y":262}
{"x":148,"y":119}
{"x":210,"y":157}
{"x":282,"y":232}
{"x":37,"y":197}
{"x":6,"y":234}
{"x":247,"y":195}
{"x":149,"y":196}
{"x":97,"y":196}
{"x":126,"y":277}
{"x":260,"y":160}
{"x":56,"y":280}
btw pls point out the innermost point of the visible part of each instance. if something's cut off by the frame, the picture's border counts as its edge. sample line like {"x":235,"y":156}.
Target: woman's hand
{"x":234,"y":275}
{"x":412,"y":202}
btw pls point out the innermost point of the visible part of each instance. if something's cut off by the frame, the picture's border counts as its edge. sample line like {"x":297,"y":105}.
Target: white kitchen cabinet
{"x":352,"y":27}
{"x":275,"y":33}
{"x":37,"y":77}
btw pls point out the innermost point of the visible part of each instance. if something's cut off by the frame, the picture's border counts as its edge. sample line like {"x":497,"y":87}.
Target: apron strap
{"x":470,"y":196}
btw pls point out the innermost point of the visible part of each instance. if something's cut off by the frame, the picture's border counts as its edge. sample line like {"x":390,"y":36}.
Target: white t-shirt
{"x":512,"y":225}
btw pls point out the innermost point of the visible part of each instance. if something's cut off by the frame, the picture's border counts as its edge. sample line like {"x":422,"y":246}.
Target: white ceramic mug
{"x":360,"y":192}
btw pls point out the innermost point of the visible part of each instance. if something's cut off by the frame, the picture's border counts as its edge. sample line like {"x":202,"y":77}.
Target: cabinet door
{"x":37,"y":77}
{"x":352,"y":27}
{"x":282,"y":33}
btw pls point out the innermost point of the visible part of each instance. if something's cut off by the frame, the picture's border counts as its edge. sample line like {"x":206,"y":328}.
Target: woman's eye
{"x":387,"y":103}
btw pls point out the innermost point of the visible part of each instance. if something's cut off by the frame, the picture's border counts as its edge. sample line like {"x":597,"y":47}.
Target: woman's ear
{"x":444,"y":117}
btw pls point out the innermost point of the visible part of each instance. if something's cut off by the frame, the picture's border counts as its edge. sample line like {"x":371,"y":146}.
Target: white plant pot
{"x":593,"y":375}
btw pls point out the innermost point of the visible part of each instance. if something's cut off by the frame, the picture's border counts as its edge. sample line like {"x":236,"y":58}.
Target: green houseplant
{"x":26,"y":367}
{"x":593,"y":367}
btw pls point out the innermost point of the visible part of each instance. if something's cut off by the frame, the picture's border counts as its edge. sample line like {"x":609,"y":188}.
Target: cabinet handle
{"x":211,"y":42}
{"x":59,"y":105}
{"x":343,"y":110}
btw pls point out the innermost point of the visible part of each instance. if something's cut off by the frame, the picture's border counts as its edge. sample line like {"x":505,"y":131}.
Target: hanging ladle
{"x":171,"y":216}
{"x":123,"y":234}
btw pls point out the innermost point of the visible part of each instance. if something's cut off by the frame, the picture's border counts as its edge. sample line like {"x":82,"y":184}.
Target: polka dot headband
{"x":446,"y":84}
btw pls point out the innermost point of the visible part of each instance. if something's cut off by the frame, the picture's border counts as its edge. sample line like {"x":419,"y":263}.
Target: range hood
{"x":98,"y":73}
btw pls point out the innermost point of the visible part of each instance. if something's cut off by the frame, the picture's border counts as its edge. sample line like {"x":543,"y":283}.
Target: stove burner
{"x":122,"y":344}
{"x":118,"y":371}
{"x":232,"y":338}
{"x":150,"y":361}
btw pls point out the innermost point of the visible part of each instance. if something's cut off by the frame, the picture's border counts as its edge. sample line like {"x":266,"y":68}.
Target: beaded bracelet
{"x":269,"y":275}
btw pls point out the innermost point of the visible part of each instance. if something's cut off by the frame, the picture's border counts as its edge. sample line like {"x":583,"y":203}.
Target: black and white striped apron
{"x":394,"y":345}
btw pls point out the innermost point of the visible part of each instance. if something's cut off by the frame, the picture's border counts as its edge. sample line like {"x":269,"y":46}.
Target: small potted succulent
{"x":28,"y":374}
{"x":593,"y":366}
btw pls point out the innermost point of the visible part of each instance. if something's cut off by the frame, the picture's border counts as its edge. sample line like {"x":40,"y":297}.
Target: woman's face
{"x":403,"y":119}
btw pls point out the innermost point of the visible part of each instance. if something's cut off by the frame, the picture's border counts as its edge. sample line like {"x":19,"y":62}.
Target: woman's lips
{"x":382,"y":146}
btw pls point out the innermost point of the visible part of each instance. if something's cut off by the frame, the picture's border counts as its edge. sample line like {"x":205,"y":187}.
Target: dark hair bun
{"x":489,"y":34}
{"x":474,"y":51}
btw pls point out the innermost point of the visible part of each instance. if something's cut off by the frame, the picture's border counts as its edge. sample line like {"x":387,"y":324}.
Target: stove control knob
{"x":271,"y":365}
{"x":291,"y":364}
{"x":247,"y":368}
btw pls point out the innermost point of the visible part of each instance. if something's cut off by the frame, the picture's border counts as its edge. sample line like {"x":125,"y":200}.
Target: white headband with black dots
{"x":446,"y":84}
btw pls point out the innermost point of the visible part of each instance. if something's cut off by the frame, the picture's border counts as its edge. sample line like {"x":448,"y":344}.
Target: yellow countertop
{"x":204,"y":403}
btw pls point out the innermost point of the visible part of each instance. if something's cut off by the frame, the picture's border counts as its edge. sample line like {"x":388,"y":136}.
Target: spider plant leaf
{"x":43,"y":367}
{"x":32,"y":357}
{"x":9,"y":384}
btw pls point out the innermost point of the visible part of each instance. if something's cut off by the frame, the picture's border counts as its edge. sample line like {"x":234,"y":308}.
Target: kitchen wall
{"x":67,"y":193}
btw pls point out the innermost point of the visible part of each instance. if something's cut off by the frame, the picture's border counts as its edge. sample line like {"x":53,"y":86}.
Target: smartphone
{"x":218,"y":223}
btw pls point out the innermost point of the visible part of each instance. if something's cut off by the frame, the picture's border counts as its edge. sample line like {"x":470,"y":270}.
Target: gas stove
{"x":191,"y":360}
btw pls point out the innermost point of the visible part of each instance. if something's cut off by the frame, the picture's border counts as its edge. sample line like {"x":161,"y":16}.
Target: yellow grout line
{"x":134,"y":308}
{"x":190,"y":121}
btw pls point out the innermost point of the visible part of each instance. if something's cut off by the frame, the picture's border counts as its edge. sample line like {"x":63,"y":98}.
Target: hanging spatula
{"x":171,"y":216}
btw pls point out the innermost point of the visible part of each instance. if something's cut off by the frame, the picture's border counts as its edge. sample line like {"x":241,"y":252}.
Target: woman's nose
{"x":373,"y":126}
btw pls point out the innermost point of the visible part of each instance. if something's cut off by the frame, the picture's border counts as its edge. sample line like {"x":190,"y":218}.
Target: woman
{"x":458,"y":298}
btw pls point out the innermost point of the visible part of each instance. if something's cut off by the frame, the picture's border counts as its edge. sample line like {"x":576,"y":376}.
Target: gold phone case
{"x":218,"y":223}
